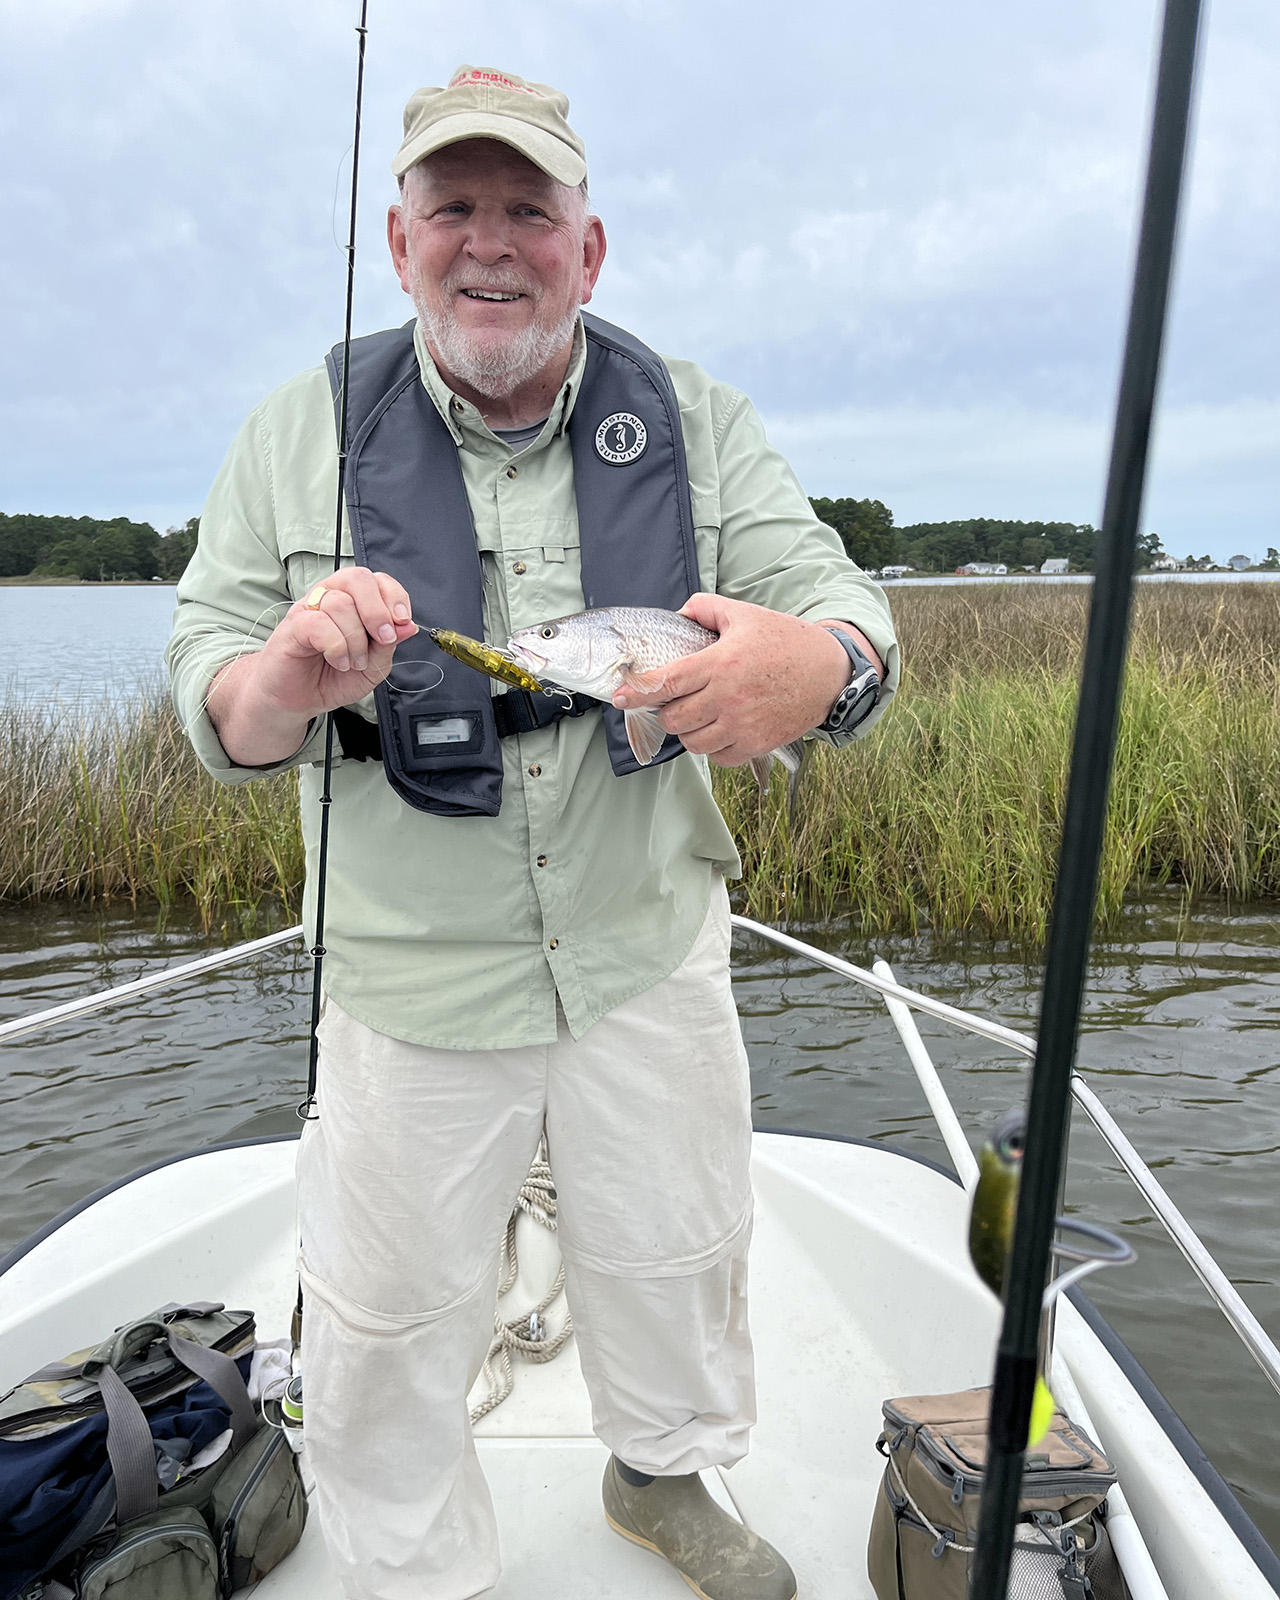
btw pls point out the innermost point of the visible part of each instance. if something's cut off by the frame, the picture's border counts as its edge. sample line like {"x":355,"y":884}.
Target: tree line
{"x":867,"y":531}
{"x":93,"y":550}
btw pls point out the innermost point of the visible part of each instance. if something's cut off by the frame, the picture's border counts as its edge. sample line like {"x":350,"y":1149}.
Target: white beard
{"x":497,"y":370}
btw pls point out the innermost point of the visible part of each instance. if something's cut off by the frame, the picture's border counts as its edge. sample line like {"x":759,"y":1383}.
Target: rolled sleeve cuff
{"x":190,"y":688}
{"x":870,"y":617}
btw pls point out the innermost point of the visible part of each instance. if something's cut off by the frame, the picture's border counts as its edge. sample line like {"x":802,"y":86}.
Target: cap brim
{"x":555,"y":157}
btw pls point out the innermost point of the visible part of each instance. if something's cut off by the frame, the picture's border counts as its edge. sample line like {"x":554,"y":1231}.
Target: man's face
{"x":497,"y":257}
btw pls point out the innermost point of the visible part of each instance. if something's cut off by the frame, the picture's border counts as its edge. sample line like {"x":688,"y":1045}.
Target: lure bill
{"x":485,"y":658}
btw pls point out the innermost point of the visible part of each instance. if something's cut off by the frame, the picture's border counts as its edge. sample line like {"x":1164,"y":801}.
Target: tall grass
{"x":947,"y":815}
{"x":114,"y":806}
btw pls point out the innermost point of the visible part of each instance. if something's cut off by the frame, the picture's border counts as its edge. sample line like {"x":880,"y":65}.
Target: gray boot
{"x":715,"y":1555}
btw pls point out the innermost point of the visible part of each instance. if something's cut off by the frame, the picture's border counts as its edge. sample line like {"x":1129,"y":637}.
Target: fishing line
{"x":1075,"y":890}
{"x":307,"y":1109}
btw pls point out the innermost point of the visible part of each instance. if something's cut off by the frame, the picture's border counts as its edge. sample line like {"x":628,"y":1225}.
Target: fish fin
{"x":762,"y":770}
{"x":790,"y":755}
{"x":1042,"y":1408}
{"x":645,"y":734}
{"x":644,"y":682}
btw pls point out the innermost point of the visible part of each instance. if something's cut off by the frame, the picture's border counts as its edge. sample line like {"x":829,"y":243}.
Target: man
{"x":527,"y":933}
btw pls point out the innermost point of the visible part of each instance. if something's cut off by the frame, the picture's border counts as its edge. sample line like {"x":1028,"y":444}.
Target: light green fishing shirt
{"x":461,"y":932}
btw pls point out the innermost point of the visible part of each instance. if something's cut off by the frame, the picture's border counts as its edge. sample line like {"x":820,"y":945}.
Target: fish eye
{"x":549,"y":632}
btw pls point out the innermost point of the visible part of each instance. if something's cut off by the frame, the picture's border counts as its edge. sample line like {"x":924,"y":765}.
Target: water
{"x":76,"y":644}
{"x":1182,"y":1041}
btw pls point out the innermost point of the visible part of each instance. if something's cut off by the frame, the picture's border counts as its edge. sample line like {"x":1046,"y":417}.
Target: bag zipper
{"x":133,"y":1541}
{"x":156,"y":1389}
{"x":228,"y":1532}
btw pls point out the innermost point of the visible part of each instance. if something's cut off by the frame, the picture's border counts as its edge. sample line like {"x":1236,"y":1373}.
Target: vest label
{"x":621,"y":439}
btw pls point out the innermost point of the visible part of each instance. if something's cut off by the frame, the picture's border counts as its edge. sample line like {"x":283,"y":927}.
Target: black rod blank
{"x":306,"y":1109}
{"x":1075,"y":891}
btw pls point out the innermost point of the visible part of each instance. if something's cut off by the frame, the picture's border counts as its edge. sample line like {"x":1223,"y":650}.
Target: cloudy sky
{"x":904,"y":229}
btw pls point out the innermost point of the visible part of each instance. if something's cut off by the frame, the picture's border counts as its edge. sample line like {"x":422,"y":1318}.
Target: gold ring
{"x":312,"y":602}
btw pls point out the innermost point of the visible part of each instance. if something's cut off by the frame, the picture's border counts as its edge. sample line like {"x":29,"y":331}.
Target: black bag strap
{"x":517,"y":711}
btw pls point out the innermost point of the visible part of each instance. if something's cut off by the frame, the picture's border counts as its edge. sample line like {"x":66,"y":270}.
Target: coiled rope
{"x":525,"y":1335}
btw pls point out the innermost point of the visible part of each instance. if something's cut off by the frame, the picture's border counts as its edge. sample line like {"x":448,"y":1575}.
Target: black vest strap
{"x":409,"y":516}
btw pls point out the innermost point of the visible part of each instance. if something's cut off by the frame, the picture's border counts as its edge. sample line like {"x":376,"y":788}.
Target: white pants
{"x":405,"y":1185}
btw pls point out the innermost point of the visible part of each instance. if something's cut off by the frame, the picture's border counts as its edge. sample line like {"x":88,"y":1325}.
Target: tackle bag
{"x":139,"y":1469}
{"x":925,"y":1524}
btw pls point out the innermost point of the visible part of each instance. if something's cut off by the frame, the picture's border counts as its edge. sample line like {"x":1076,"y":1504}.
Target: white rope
{"x":527,"y":1334}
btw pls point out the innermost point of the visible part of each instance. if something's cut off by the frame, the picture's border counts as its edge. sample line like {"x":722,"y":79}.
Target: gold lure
{"x":484,"y":658}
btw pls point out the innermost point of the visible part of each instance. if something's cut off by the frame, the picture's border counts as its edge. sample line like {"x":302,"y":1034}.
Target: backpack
{"x":925,"y":1524}
{"x":139,"y":1469}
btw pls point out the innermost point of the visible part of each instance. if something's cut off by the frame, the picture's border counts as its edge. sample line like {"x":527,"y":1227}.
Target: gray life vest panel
{"x":409,"y":516}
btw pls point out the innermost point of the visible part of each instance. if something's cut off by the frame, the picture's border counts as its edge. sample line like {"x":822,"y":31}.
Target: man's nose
{"x":489,"y":239}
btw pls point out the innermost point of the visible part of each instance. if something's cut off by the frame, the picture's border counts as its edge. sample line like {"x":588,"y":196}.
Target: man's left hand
{"x":768,"y":678}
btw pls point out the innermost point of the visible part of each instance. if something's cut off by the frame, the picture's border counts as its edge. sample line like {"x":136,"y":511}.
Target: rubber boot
{"x":715,"y":1555}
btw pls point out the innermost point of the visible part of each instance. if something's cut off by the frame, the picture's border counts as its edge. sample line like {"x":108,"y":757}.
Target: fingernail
{"x":400,"y":613}
{"x":342,"y":664}
{"x":361,"y":663}
{"x":386,"y":633}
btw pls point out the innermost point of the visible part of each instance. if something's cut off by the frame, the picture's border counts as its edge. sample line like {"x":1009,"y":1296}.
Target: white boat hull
{"x":861,"y":1290}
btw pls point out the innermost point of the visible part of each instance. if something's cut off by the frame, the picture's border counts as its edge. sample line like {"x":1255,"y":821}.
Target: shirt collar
{"x":464,"y":422}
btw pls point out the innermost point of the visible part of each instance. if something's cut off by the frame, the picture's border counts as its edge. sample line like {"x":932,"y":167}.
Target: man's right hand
{"x":321,"y":655}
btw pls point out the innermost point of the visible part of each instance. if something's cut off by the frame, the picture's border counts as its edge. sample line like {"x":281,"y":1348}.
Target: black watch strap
{"x":857,"y":699}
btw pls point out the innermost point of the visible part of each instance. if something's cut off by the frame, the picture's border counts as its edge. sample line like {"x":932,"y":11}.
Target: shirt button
{"x":511,"y":472}
{"x":535,"y":771}
{"x":541,"y":861}
{"x":553,"y":944}
{"x":457,"y":405}
{"x":519,"y":568}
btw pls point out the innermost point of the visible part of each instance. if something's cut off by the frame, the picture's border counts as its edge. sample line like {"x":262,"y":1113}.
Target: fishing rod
{"x":307,"y":1109}
{"x":1075,"y":891}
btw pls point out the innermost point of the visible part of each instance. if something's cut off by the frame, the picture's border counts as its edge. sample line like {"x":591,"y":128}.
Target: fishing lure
{"x":485,"y":658}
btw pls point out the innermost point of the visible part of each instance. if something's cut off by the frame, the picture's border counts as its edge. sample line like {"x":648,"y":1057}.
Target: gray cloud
{"x":905,"y":231}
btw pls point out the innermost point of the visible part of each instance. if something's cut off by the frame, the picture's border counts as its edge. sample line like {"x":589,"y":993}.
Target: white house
{"x":983,"y":569}
{"x":1055,"y":566}
{"x":895,"y":571}
{"x":1239,"y":563}
{"x":1168,"y":564}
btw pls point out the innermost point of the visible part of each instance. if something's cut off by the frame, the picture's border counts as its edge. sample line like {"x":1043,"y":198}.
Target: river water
{"x":1181,"y":1041}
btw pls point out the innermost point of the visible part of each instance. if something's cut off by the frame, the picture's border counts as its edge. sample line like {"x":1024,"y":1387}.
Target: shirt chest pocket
{"x":307,"y":554}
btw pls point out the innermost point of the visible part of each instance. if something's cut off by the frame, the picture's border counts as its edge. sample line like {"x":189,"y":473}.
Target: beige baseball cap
{"x":483,"y":103}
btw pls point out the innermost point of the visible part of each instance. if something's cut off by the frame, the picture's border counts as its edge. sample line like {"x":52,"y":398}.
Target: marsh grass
{"x":947,"y":816}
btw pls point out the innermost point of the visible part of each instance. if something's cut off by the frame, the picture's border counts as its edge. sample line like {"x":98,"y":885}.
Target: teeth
{"x":488,"y":294}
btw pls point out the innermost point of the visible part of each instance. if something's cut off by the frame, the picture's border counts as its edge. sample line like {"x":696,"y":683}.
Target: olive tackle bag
{"x":924,"y":1528}
{"x":139,"y":1469}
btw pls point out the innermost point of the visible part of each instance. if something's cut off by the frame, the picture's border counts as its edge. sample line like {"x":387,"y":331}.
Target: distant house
{"x":1055,"y":567}
{"x":983,"y":569}
{"x":1168,"y":564}
{"x":1239,"y":563}
{"x":895,"y":571}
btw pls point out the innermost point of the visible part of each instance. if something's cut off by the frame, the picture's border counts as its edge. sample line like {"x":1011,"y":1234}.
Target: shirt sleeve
{"x":233,"y":593}
{"x":773,"y":550}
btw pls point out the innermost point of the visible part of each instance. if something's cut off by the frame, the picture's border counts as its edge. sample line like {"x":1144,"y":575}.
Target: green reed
{"x":946,"y":816}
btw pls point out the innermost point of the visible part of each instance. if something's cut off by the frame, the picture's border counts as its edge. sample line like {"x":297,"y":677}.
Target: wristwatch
{"x":857,"y":699}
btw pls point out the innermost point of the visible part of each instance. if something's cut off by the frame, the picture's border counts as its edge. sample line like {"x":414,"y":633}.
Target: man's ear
{"x":398,"y":244}
{"x":594,"y":248}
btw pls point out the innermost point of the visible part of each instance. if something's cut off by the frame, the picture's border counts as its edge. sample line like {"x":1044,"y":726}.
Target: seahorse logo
{"x":621,"y":439}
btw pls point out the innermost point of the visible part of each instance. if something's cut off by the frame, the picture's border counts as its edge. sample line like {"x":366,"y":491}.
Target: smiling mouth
{"x":491,"y":294}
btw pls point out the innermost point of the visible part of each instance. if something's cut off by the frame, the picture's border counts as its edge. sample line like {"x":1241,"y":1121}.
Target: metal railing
{"x":1223,"y":1292}
{"x":900,"y":1002}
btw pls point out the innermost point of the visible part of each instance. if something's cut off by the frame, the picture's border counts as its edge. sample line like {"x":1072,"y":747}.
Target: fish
{"x":485,"y":658}
{"x":991,"y":1222}
{"x":595,"y":652}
